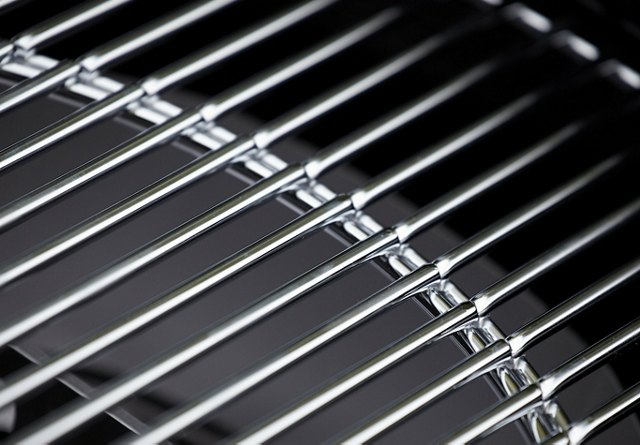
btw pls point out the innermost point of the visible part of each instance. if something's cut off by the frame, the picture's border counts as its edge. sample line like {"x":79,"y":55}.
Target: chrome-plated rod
{"x":238,"y":261}
{"x":210,"y":110}
{"x":306,"y":407}
{"x":609,"y":413}
{"x":409,"y":168}
{"x":158,"y":29}
{"x":211,"y":161}
{"x":183,"y":417}
{"x":483,"y":362}
{"x":546,"y":387}
{"x":5,"y":3}
{"x":171,"y":75}
{"x":556,"y":318}
{"x":262,"y":308}
{"x":456,"y":198}
{"x":423,"y":336}
{"x":469,"y":369}
{"x":496,"y":293}
{"x":63,"y":23}
{"x":199,"y":168}
{"x":243,"y":381}
{"x":117,"y":49}
{"x":254,"y":253}
{"x":248,"y":89}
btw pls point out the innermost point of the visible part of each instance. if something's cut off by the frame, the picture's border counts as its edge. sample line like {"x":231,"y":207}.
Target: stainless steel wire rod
{"x":245,"y":257}
{"x":171,"y":75}
{"x":546,"y":387}
{"x":271,"y":132}
{"x":470,"y":368}
{"x":213,"y":109}
{"x":609,"y":413}
{"x":214,"y":160}
{"x":410,"y":344}
{"x":330,"y":269}
{"x":181,"y":418}
{"x":349,"y":258}
{"x":56,"y":27}
{"x":5,"y":3}
{"x":109,"y":53}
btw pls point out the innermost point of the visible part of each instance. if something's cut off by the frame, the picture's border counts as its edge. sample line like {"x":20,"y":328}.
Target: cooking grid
{"x":252,"y":153}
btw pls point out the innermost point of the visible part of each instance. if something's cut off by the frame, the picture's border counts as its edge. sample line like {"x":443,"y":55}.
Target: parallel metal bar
{"x":5,"y":3}
{"x":161,"y":28}
{"x":271,"y":243}
{"x":243,"y":258}
{"x":477,"y":364}
{"x":421,"y":337}
{"x":203,"y":166}
{"x":482,"y":362}
{"x":63,"y":23}
{"x":272,"y":302}
{"x":496,"y":293}
{"x":546,"y":387}
{"x":174,"y":127}
{"x":609,"y":413}
{"x":204,"y":405}
{"x":556,"y":318}
{"x":244,"y":381}
{"x":461,"y":195}
{"x":56,"y":27}
{"x":171,"y":75}
{"x":210,"y":162}
{"x":124,"y":46}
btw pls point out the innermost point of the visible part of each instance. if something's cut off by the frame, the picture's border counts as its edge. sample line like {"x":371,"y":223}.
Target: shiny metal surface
{"x":214,"y":160}
{"x":580,"y":431}
{"x":210,"y":111}
{"x":155,"y":83}
{"x":465,"y":319}
{"x":546,"y":387}
{"x":487,"y":359}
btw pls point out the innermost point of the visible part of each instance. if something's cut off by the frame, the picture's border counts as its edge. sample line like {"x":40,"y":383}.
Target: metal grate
{"x":186,"y":205}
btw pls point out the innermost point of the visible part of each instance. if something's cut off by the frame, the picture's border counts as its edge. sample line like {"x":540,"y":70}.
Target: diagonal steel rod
{"x":240,"y":260}
{"x":182,"y":417}
{"x":56,"y":27}
{"x":261,"y":190}
{"x":268,"y":245}
{"x":109,"y":53}
{"x":609,"y":413}
{"x":171,"y":75}
{"x":330,"y":269}
{"x":174,"y":127}
{"x":213,"y":161}
{"x":482,"y":362}
{"x":546,"y":387}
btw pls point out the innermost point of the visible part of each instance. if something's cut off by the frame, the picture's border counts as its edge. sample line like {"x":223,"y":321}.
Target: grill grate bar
{"x":498,"y":292}
{"x":207,"y":164}
{"x":201,"y":167}
{"x":554,"y":319}
{"x":56,"y":27}
{"x":172,"y":128}
{"x":172,"y":75}
{"x":494,"y":354}
{"x":471,"y":367}
{"x":613,"y":410}
{"x":268,"y":245}
{"x":78,"y":413}
{"x":456,"y":198}
{"x":546,"y":387}
{"x":403,"y":288}
{"x":412,"y":343}
{"x":121,"y":47}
